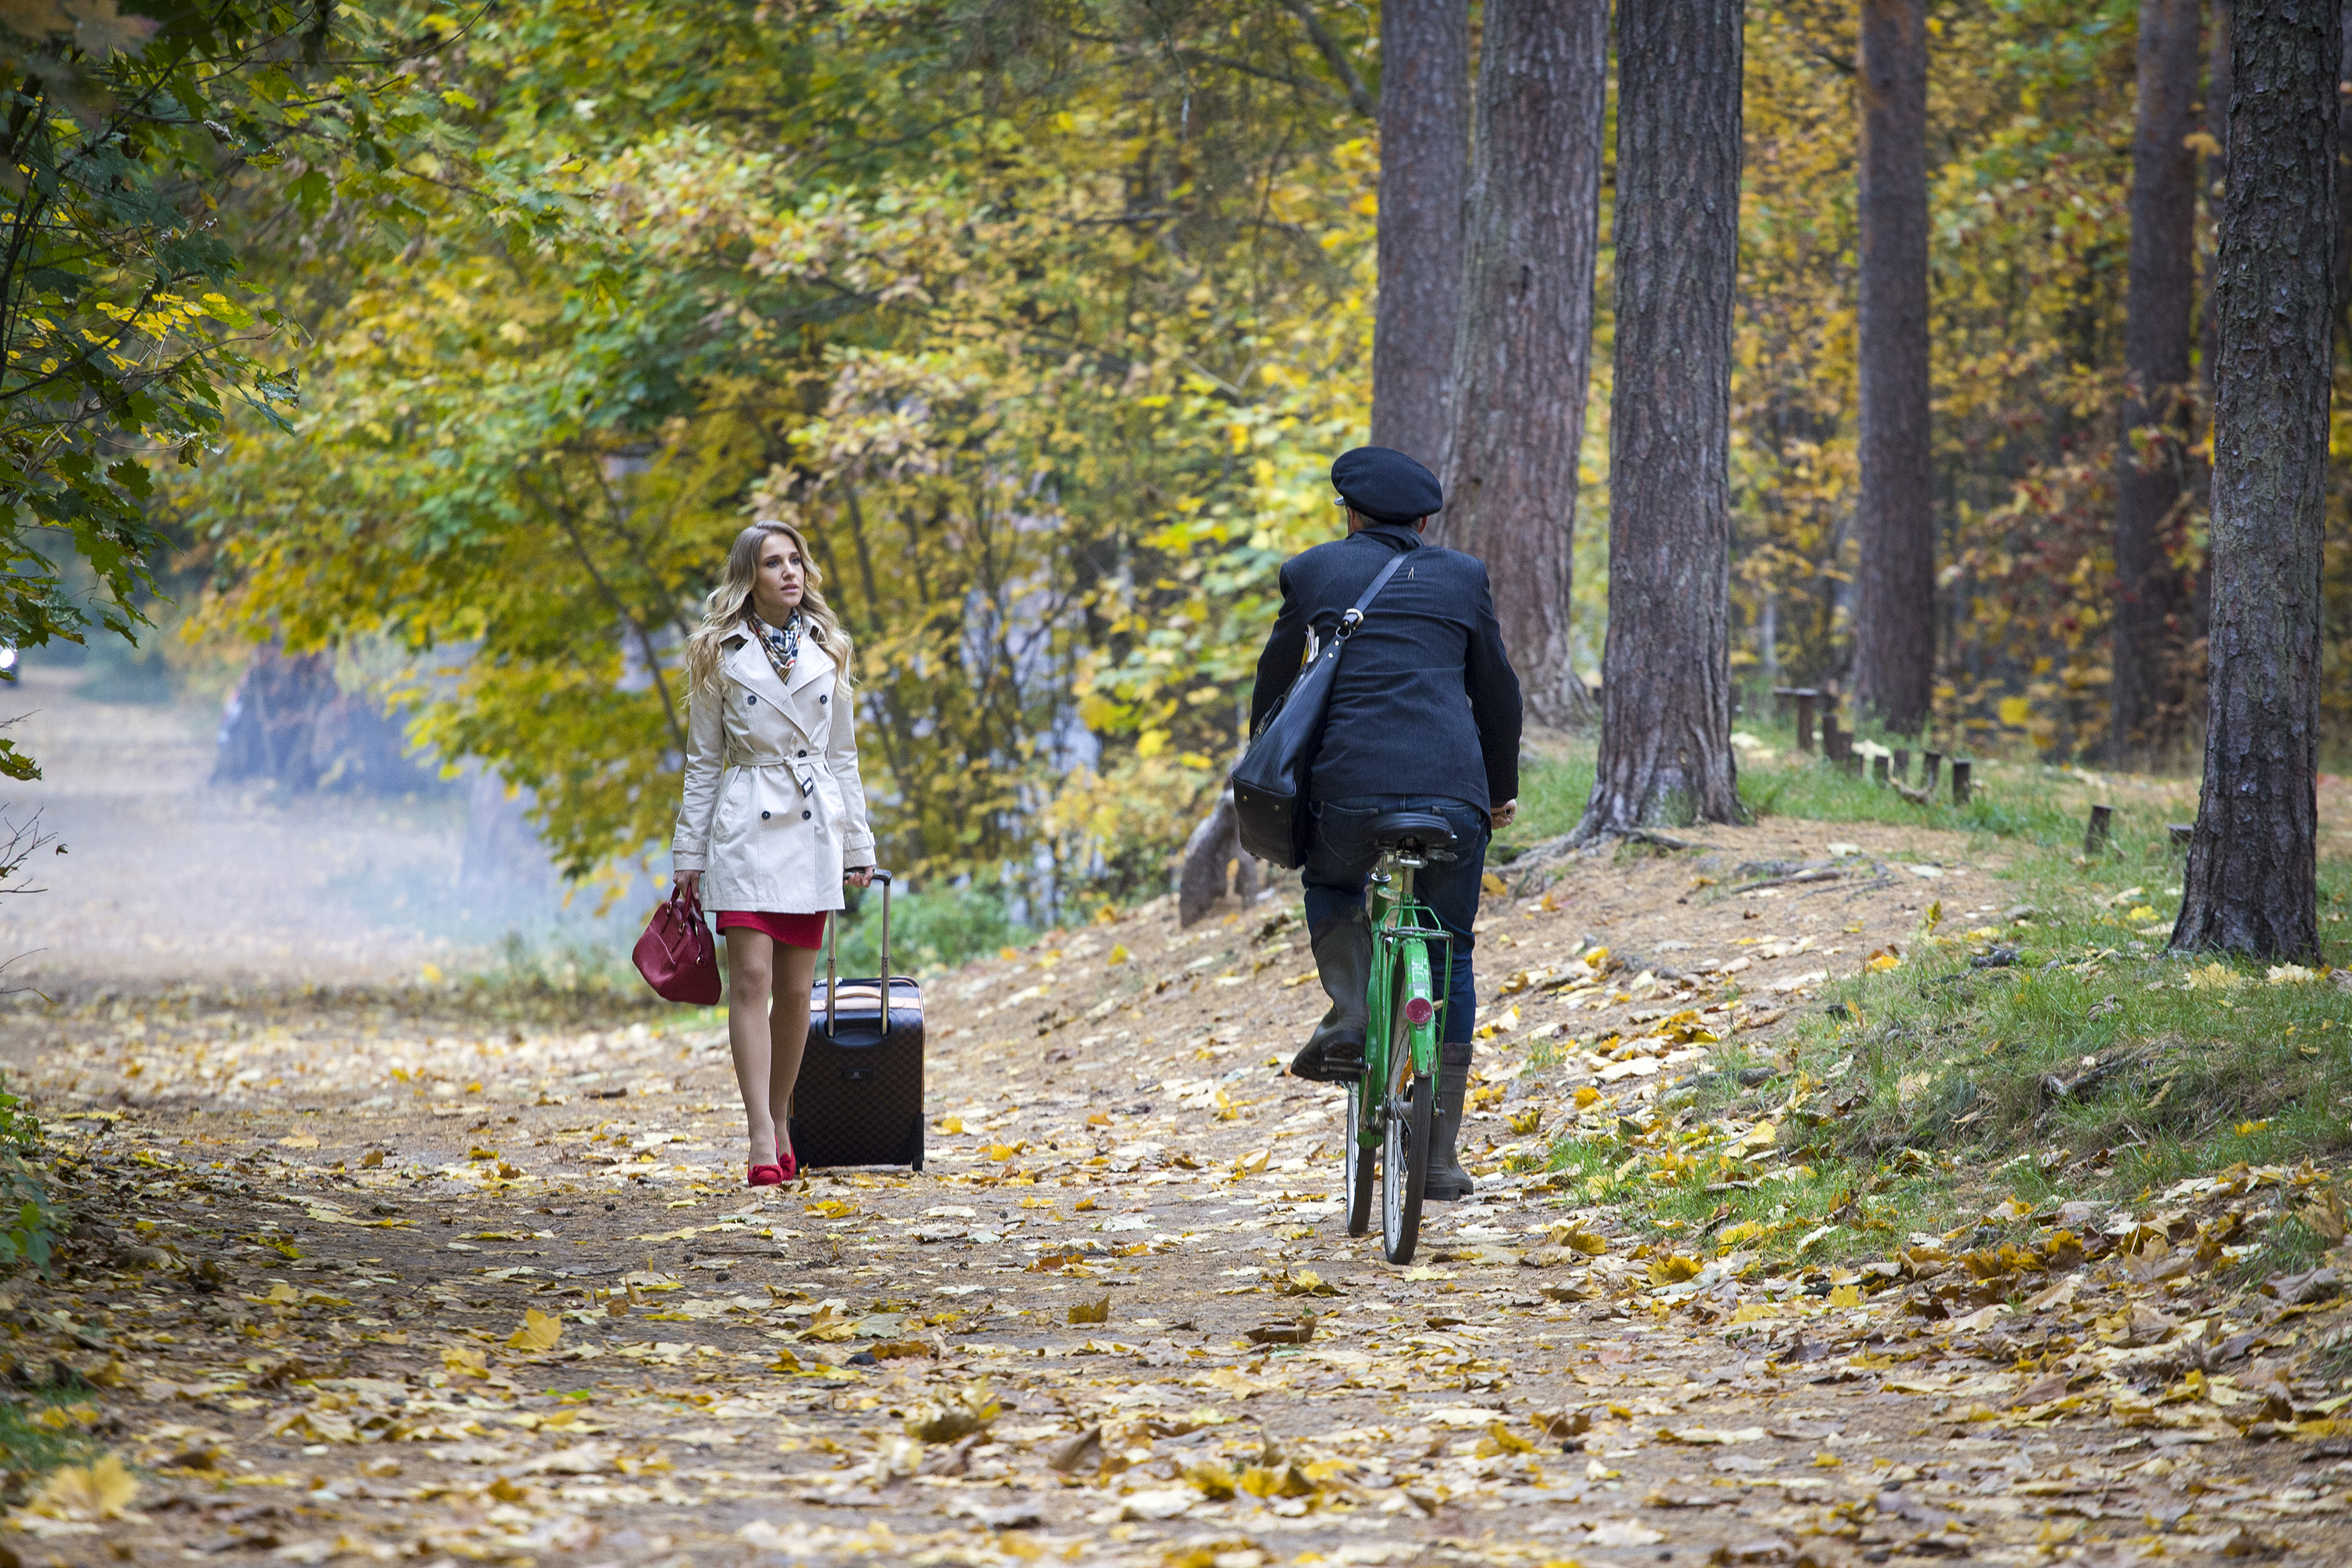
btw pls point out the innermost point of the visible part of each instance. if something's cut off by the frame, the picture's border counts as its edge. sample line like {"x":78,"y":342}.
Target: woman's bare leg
{"x":751,"y":965}
{"x":788,"y":1027}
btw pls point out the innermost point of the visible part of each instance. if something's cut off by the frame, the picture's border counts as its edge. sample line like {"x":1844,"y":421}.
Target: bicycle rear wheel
{"x":1404,"y":1168}
{"x":1404,"y":1153}
{"x":1363,"y":1162}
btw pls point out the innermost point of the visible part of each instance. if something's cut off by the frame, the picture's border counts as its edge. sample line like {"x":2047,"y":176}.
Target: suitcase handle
{"x":832,"y":944}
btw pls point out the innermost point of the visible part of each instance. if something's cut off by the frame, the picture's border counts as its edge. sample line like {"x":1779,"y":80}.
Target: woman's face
{"x":776,"y":589}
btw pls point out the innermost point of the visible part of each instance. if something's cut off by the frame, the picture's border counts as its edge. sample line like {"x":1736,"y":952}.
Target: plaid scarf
{"x":783,"y":647}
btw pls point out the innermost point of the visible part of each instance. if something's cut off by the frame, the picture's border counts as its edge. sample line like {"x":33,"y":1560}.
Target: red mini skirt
{"x":793,"y":930}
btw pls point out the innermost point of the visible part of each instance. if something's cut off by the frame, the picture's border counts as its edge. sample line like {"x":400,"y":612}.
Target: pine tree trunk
{"x":1523,"y":353}
{"x":1894,"y":619}
{"x":2253,"y":869}
{"x":2216,"y":180}
{"x":2153,"y":487}
{"x":1424,"y":167}
{"x":1666,"y":726}
{"x":2344,"y":180}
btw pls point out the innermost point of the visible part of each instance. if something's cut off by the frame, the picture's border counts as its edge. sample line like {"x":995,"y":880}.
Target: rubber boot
{"x":1447,"y":1180}
{"x":1343,"y":960}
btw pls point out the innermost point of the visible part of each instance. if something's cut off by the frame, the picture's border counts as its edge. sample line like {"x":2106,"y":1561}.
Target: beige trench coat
{"x":774,"y":811}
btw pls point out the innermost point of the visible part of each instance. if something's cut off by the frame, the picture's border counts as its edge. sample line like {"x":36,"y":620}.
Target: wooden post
{"x":2094,"y":836}
{"x":1850,"y":763}
{"x":1903,"y":764}
{"x":1878,"y":771}
{"x":1960,"y":771}
{"x":1835,"y":742}
{"x":1932,"y":770}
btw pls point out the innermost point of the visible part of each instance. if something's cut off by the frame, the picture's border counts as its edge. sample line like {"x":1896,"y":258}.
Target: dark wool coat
{"x":1425,"y":701}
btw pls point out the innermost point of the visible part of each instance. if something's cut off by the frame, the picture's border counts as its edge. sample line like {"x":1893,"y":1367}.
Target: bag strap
{"x":1355,"y":617}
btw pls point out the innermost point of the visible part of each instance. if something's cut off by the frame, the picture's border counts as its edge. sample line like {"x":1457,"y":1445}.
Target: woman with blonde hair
{"x":774,"y":814}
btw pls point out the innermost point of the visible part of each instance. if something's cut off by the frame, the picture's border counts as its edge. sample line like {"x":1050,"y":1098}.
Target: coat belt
{"x":813,"y":759}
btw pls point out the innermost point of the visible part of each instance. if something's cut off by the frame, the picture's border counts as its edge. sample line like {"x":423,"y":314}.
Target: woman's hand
{"x":859,"y":876}
{"x":690,"y":884}
{"x":1501,"y":816}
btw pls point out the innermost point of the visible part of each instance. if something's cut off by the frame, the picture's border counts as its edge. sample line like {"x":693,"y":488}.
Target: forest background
{"x":1045,"y":320}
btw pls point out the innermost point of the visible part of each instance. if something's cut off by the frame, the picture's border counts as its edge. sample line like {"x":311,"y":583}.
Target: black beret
{"x":1385,"y":485}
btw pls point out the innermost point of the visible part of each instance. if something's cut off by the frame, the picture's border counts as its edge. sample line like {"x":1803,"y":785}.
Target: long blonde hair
{"x":724,"y":612}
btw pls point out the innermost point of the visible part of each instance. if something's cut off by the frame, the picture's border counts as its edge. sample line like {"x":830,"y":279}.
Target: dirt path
{"x":373,"y":1281}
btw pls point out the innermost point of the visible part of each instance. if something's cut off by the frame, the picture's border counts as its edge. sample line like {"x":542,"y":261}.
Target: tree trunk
{"x":2153,"y":489}
{"x":1894,"y":622}
{"x":1424,"y":166}
{"x":2217,"y":178}
{"x":2344,"y":180}
{"x":1666,"y":726}
{"x":1523,"y":353}
{"x":2253,"y":869}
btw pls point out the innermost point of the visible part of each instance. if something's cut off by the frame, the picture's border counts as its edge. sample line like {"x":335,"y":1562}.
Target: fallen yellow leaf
{"x":100,"y":1491}
{"x":539,"y":1332}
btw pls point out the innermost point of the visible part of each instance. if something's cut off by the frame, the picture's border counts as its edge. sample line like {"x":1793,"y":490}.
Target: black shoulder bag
{"x":1270,"y":781}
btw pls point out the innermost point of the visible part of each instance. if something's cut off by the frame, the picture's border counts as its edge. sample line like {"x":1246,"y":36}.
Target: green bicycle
{"x":1390,"y":1108}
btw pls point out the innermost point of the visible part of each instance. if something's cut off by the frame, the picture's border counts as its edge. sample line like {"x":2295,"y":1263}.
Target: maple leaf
{"x":539,"y":1332}
{"x":94,"y":1491}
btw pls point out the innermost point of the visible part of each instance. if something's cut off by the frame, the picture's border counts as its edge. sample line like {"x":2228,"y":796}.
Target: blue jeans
{"x":1340,"y":859}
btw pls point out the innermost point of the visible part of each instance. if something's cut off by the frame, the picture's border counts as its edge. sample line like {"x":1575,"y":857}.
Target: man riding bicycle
{"x":1424,"y":716}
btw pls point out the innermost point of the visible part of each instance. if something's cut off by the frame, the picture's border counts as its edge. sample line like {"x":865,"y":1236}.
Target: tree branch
{"x":1336,"y":57}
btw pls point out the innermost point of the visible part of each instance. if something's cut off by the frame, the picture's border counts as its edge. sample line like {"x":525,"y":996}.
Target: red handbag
{"x":678,"y":955}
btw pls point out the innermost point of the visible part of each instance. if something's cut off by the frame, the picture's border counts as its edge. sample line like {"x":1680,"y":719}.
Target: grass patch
{"x":2036,"y":1045}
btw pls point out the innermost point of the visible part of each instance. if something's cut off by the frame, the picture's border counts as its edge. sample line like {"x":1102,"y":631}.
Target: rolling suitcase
{"x":859,"y":1097}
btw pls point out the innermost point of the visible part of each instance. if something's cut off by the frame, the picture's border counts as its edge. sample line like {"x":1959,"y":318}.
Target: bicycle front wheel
{"x":1362,"y":1158}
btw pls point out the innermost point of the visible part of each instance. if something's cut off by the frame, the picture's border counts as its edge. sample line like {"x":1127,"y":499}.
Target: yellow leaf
{"x":283,"y":1292}
{"x":830,"y":1208}
{"x":1846,"y":1296}
{"x":1117,"y":953}
{"x":948,"y":1124}
{"x":1501,"y":1440}
{"x":1091,"y":1311}
{"x":1587,"y":1096}
{"x":101,"y":1490}
{"x":463,"y":1362}
{"x":2016,"y":711}
{"x":1578,"y":1239}
{"x":1493,"y":884}
{"x":539,"y":1332}
{"x":1884,"y":961}
{"x":298,"y":1141}
{"x":372,"y":1160}
{"x":1672,"y":1270}
{"x":1756,"y":1311}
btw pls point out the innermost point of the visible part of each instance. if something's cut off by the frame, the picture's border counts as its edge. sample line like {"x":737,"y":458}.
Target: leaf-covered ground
{"x":368,"y":1277}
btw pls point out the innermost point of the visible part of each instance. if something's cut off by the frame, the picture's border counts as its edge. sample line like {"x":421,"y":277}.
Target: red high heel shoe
{"x":768,"y":1175}
{"x":790,"y":1166}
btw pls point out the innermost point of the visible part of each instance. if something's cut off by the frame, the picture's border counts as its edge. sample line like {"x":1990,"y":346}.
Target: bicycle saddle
{"x":1423,"y":833}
